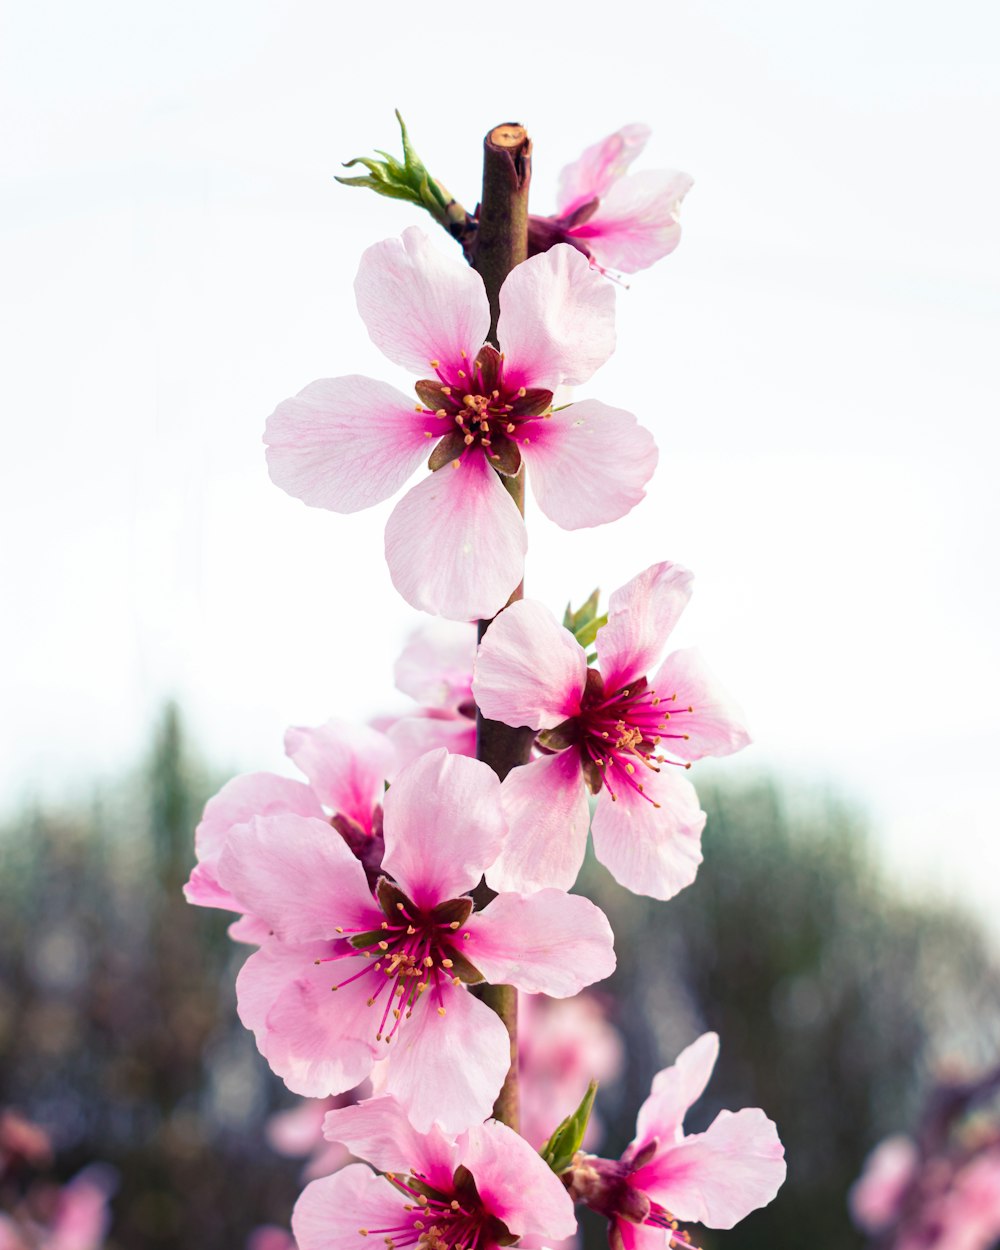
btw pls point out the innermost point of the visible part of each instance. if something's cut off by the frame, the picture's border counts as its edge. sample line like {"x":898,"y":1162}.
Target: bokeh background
{"x":818,"y":363}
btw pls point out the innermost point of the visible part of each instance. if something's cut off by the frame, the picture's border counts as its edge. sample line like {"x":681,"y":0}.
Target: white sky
{"x":818,"y":362}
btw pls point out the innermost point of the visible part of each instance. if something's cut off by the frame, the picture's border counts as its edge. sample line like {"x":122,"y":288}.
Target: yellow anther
{"x":447,"y":963}
{"x":383,"y":946}
{"x":521,"y":392}
{"x":442,"y":1012}
{"x":455,"y":464}
{"x":435,"y":363}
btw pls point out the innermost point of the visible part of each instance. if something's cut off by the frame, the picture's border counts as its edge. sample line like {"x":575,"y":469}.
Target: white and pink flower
{"x":349,"y":978}
{"x":346,"y":767}
{"x":622,"y":221}
{"x":715,"y":1178}
{"x":483,"y":1189}
{"x":455,"y":543}
{"x":614,"y":730}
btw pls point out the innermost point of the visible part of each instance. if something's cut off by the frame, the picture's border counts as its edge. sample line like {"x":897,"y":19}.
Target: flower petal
{"x":599,"y":167}
{"x":718,"y":1177}
{"x":435,"y":666}
{"x":427,"y":730}
{"x":649,"y":850}
{"x":716,"y":725}
{"x":588,"y":464}
{"x":346,"y":764}
{"x":675,"y":1089}
{"x":419,"y":304}
{"x":297,"y":874}
{"x":515,"y":1184}
{"x":321,"y":1043}
{"x":378,"y":1131}
{"x":529,"y":670}
{"x":550,"y":942}
{"x":641,"y":616}
{"x":545,"y":803}
{"x":455,"y":543}
{"x":448,"y":1068}
{"x":876,"y":1197}
{"x":557,"y":320}
{"x":443,"y":826}
{"x":638,"y":221}
{"x":331,"y":1210}
{"x":346,"y":443}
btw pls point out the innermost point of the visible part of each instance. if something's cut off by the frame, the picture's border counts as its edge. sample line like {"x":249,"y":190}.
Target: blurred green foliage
{"x":118,"y":1031}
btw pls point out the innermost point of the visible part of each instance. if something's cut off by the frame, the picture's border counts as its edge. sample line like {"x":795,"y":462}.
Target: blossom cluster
{"x":392,"y":887}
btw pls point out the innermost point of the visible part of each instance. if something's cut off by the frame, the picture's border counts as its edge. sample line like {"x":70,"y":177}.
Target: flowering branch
{"x":501,"y":243}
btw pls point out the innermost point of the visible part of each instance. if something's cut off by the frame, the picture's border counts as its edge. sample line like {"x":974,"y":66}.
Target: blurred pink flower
{"x":270,"y":1237}
{"x":611,"y":729}
{"x":409,"y":953}
{"x":298,"y":1133}
{"x":622,"y":221}
{"x":563,"y":1044}
{"x":715,"y":1178}
{"x":484,"y":1189}
{"x":455,"y":543}
{"x":346,"y":766}
{"x":83,"y":1217}
{"x":876,"y":1196}
{"x":435,"y":669}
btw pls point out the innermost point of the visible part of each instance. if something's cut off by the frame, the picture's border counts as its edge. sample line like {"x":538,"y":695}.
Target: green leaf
{"x":402,"y":180}
{"x":584,"y":623}
{"x":559,"y":1150}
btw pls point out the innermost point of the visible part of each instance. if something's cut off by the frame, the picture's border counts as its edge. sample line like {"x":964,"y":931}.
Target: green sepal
{"x":559,"y":1150}
{"x":584,"y":623}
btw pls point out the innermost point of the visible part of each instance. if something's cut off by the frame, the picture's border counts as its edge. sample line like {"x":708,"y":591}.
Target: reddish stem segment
{"x":501,"y":243}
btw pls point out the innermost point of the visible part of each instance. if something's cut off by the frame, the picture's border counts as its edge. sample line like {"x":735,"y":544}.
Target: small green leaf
{"x":559,"y":1150}
{"x":584,"y":623}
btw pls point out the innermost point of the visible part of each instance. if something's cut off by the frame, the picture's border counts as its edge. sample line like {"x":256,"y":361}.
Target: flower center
{"x":621,"y":735}
{"x":435,"y":1220}
{"x":474,"y":410}
{"x":413,"y":952}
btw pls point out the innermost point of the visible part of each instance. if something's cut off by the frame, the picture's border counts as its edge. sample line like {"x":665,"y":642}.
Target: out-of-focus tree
{"x":835,"y":997}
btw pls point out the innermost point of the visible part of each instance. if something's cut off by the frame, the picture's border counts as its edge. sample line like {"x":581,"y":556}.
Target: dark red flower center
{"x":435,"y":1219}
{"x":621,"y":736}
{"x":413,"y":952}
{"x":473,"y":409}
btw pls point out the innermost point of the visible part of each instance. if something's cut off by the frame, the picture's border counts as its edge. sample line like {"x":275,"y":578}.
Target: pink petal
{"x":557,"y":320}
{"x":319,"y":1042}
{"x":588,"y":464}
{"x":675,"y":1089}
{"x":716,"y":726}
{"x":264,"y":978}
{"x":545,"y":803}
{"x":638,"y":222}
{"x":435,"y":666}
{"x":649,"y":850}
{"x":346,"y":443}
{"x":515,"y":1184}
{"x":448,"y":1068}
{"x":379,"y":1132}
{"x":249,"y":929}
{"x":876,"y":1198}
{"x":202,"y":889}
{"x":529,"y":669}
{"x":330,"y":1211}
{"x":346,"y":764}
{"x":640,"y":1236}
{"x":420,"y":305}
{"x":443,"y":826}
{"x":600,"y":167}
{"x":242,"y":798}
{"x":641,"y":616}
{"x":297,"y":875}
{"x":413,"y":736}
{"x":718,"y":1177}
{"x":455,"y":543}
{"x":545,"y":943}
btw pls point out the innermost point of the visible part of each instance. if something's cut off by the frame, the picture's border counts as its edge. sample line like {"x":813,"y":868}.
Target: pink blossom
{"x":298,"y":1133}
{"x":346,"y":767}
{"x":484,"y":1189}
{"x":455,"y":543}
{"x":622,"y":221}
{"x":876,"y":1198}
{"x":270,"y":1237}
{"x":435,"y":669}
{"x":715,"y":1178}
{"x":624,"y":735}
{"x":563,"y":1044}
{"x":83,"y":1217}
{"x":400,"y":962}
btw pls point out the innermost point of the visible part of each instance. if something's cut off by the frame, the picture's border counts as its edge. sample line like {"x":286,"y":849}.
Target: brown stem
{"x":501,"y":243}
